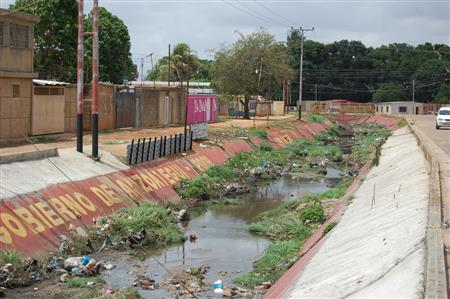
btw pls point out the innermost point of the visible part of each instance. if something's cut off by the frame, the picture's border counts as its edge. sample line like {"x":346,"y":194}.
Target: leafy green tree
{"x":181,"y":57}
{"x":55,"y":37}
{"x":388,"y":92}
{"x":114,"y":52}
{"x":237,"y":68}
{"x":443,"y":94}
{"x":431,"y":74}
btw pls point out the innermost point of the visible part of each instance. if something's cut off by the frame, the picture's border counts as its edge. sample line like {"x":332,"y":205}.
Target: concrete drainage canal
{"x":220,"y":244}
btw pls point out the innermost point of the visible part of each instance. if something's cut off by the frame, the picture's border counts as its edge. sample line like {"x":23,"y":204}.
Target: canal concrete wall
{"x":377,"y":249}
{"x":41,"y":199}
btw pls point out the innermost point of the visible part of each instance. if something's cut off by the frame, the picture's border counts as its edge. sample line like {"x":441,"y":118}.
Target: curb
{"x":435,"y":268}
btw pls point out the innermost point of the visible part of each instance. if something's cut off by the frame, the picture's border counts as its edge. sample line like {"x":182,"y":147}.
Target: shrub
{"x":313,"y":213}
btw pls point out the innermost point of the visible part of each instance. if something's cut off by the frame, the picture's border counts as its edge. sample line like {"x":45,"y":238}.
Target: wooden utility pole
{"x":95,"y":80}
{"x":301,"y":30}
{"x":80,"y":77}
{"x":168,"y":73}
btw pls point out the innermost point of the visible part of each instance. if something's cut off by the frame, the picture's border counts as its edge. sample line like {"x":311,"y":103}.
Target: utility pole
{"x":142,"y":67}
{"x":142,"y":70}
{"x":95,"y":79}
{"x":80,"y":77}
{"x":315,"y":96}
{"x":301,"y":30}
{"x":154,"y":77}
{"x":413,"y":97}
{"x":168,"y":74}
{"x":187,"y":98}
{"x":259,"y":72}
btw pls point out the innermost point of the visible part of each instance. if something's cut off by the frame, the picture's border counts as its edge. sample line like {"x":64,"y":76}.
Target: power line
{"x":248,"y":12}
{"x":274,"y":12}
{"x":260,"y":14}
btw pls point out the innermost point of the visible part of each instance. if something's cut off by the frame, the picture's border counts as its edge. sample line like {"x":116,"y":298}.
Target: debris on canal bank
{"x":294,"y":222}
{"x":151,"y":225}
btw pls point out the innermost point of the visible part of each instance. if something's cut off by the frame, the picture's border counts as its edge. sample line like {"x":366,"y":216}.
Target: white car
{"x":443,"y":118}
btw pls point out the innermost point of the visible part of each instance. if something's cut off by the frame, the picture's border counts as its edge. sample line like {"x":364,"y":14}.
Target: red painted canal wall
{"x":33,"y":222}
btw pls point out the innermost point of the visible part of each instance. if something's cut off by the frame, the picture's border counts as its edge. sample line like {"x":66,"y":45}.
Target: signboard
{"x":199,"y":131}
{"x":202,"y":108}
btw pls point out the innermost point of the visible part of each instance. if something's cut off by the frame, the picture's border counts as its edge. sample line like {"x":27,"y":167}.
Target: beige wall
{"x":16,"y":59}
{"x":15,"y":112}
{"x":278,"y":108}
{"x":152,"y":106}
{"x":47,"y":114}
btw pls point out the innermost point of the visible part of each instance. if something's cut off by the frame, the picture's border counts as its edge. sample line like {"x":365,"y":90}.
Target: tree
{"x":114,"y":52}
{"x":199,"y":69}
{"x":388,"y":92}
{"x":55,"y":37}
{"x":443,"y":94}
{"x":253,"y":64}
{"x":431,"y":74}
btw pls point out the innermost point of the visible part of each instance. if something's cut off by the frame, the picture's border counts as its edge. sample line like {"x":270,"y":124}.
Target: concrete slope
{"x":377,"y":249}
{"x":23,"y":177}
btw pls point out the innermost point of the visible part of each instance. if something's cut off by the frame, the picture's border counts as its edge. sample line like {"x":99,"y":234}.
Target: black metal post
{"x":175,"y":144}
{"x":179,"y":144}
{"x":165,"y":146}
{"x":80,"y":132}
{"x":154,"y":148}
{"x":95,"y":135}
{"x":170,"y":145}
{"x":160,"y":147}
{"x":149,"y":145}
{"x":137,"y":151}
{"x":131,"y":152}
{"x":192,"y":136}
{"x":143,"y":150}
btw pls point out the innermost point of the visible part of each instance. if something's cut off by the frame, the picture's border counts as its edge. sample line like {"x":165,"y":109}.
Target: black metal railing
{"x":142,"y":150}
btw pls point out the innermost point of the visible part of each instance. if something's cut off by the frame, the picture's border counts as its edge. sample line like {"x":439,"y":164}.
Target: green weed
{"x":258,"y":133}
{"x":278,"y":257}
{"x":312,"y":213}
{"x":10,"y":256}
{"x":154,"y":219}
{"x":315,"y":118}
{"x":328,"y":228}
{"x":81,"y":281}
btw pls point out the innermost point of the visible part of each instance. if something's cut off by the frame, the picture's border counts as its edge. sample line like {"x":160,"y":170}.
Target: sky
{"x":207,"y":25}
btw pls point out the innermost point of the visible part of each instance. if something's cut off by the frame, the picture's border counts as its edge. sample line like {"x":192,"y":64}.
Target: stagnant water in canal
{"x":224,"y":242}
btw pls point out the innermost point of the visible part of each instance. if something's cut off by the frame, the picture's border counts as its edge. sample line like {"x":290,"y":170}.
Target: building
{"x":400,"y":107}
{"x":16,"y":73}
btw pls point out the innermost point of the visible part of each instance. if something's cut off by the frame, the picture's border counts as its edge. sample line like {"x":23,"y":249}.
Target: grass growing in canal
{"x":10,"y":256}
{"x":154,"y":219}
{"x":261,"y":133}
{"x":279,"y":256}
{"x":315,"y":118}
{"x":292,"y":223}
{"x":300,"y":155}
{"x":81,"y":281}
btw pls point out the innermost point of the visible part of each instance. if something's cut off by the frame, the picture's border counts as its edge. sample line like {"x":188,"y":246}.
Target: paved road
{"x":427,"y":124}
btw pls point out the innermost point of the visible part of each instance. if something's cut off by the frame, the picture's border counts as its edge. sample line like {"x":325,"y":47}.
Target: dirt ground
{"x":115,"y":141}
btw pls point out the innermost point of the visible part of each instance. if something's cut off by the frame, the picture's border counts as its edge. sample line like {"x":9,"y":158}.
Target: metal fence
{"x":142,"y":150}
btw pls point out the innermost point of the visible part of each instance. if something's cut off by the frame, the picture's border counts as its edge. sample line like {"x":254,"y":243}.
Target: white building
{"x":399,"y":107}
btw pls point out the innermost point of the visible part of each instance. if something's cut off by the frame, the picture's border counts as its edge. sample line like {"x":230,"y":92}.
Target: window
{"x":1,"y":34}
{"x":387,"y":109}
{"x":18,"y":36}
{"x":16,"y":90}
{"x":381,"y":108}
{"x":377,"y":108}
{"x":402,"y":109}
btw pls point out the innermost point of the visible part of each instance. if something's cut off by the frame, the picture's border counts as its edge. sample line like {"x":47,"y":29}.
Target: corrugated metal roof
{"x":48,"y":83}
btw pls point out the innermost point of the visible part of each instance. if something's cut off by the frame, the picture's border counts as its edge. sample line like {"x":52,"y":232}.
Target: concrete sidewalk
{"x":377,"y":249}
